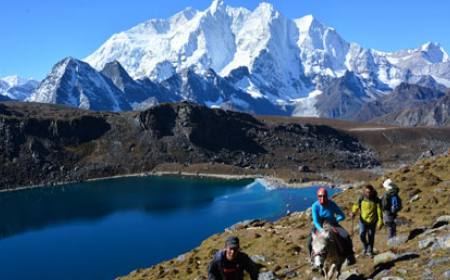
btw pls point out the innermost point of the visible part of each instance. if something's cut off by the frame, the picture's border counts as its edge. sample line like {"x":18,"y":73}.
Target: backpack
{"x":392,"y":203}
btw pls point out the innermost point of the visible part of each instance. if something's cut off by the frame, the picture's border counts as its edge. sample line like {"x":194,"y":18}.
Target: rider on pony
{"x":325,"y":210}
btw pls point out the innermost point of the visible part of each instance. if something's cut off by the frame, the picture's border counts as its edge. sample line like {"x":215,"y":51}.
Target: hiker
{"x":370,"y":216}
{"x":323,"y":210}
{"x":391,"y":204}
{"x":230,"y":263}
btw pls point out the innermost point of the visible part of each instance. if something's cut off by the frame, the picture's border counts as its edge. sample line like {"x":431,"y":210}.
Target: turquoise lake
{"x":105,"y":229}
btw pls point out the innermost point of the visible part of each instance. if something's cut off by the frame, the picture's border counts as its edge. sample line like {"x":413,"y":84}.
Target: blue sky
{"x":36,"y":34}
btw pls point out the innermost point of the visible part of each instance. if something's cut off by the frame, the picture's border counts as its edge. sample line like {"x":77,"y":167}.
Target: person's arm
{"x":356,"y":207}
{"x":251,"y":267}
{"x":214,"y":270}
{"x":340,"y":216}
{"x":315,"y":217}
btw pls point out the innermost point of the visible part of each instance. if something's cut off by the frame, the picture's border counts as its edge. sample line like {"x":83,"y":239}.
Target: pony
{"x":327,"y":254}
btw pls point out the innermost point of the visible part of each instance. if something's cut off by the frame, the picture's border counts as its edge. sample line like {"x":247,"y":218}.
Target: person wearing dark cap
{"x":230,"y":263}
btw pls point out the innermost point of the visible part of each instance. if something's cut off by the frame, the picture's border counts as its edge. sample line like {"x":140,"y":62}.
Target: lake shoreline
{"x":268,"y":181}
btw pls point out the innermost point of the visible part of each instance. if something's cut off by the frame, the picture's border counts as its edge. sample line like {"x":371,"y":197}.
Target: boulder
{"x":397,"y":241}
{"x":414,"y":198}
{"x":446,"y":274}
{"x":384,"y":258}
{"x":240,"y":225}
{"x":425,"y":243}
{"x":427,"y":274}
{"x":445,"y":218}
{"x":442,"y":242}
{"x":268,"y":275}
{"x":438,"y":261}
{"x":349,"y":274}
{"x":259,"y":259}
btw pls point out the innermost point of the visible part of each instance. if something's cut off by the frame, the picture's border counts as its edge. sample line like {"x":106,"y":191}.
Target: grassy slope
{"x":283,"y":242}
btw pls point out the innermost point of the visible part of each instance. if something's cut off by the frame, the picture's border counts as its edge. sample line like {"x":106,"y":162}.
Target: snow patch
{"x":305,"y":107}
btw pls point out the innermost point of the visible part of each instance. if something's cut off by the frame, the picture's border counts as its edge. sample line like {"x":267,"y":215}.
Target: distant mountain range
{"x":254,"y":61}
{"x":17,"y":88}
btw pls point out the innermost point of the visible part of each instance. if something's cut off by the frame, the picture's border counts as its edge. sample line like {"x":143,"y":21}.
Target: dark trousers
{"x":392,"y":228}
{"x":367,"y":235}
{"x":389,"y":222}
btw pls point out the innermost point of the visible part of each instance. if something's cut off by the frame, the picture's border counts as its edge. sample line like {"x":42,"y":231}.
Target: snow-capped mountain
{"x":17,"y":88}
{"x":140,"y":94}
{"x":255,"y":61}
{"x":286,"y":59}
{"x":220,"y":38}
{"x":75,"y":83}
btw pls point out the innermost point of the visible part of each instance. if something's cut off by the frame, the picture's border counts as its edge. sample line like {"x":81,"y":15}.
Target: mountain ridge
{"x":256,"y":61}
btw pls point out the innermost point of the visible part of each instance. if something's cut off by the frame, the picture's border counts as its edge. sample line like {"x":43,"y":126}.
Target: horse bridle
{"x":323,"y":254}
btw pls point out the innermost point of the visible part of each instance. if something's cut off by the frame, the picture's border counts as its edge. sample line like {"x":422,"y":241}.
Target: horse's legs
{"x":331,"y":271}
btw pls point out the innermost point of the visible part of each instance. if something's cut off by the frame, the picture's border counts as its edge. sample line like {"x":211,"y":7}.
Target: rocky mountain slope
{"x":433,"y":113}
{"x":47,"y":144}
{"x":76,"y":84}
{"x":4,"y":98}
{"x":420,"y":250}
{"x":404,"y":97}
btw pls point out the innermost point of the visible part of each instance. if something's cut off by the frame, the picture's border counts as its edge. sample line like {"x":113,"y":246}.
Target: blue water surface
{"x":105,"y":229}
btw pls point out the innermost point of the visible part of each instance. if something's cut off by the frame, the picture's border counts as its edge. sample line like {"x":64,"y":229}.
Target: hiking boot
{"x":370,"y":254}
{"x":351,"y":259}
{"x":368,"y":251}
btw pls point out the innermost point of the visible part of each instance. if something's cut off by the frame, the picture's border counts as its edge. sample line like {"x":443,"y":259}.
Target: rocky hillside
{"x":436,"y":113}
{"x":46,"y":144}
{"x":409,"y":105}
{"x":420,"y":251}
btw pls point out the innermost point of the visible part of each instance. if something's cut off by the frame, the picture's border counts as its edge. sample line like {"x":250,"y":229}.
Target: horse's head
{"x":320,"y":241}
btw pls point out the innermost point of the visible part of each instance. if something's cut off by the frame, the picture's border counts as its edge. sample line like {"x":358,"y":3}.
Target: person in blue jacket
{"x":325,"y":209}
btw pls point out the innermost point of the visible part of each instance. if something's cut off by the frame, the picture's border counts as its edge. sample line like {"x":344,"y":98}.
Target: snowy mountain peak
{"x":18,"y":88}
{"x":267,"y":10}
{"x":216,"y":5}
{"x":285,"y":59}
{"x":308,"y":22}
{"x":316,"y":36}
{"x":184,"y":16}
{"x":434,"y":52}
{"x":15,"y":80}
{"x":75,"y":83}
